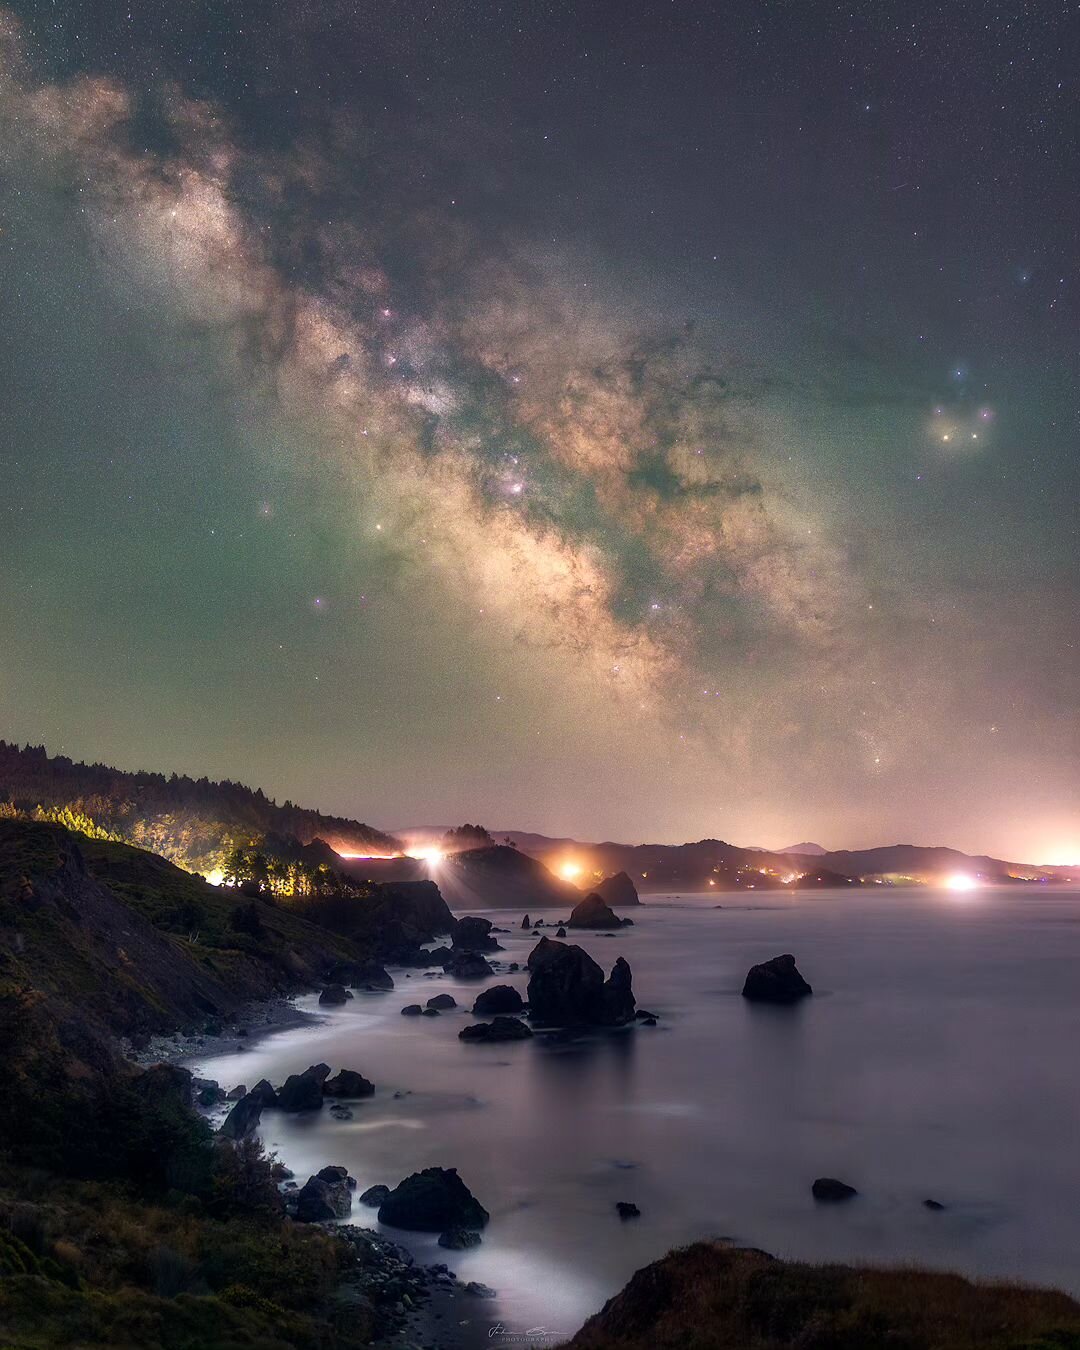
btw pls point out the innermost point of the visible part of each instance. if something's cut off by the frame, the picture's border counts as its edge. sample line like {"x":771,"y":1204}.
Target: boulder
{"x":369,"y":975}
{"x":775,"y":981}
{"x":830,"y":1190}
{"x":498,"y":1029}
{"x":472,"y":934}
{"x":593,"y":912}
{"x":526,"y":922}
{"x":304,"y":1091}
{"x":627,"y":1210}
{"x":567,"y":988}
{"x":375,"y":1195}
{"x":935,"y":1205}
{"x":335,"y":993}
{"x":443,"y":1002}
{"x":411,"y":1010}
{"x":618,"y":891}
{"x":210,"y":1094}
{"x":432,"y":1012}
{"x":320,"y":1200}
{"x":435,"y":1200}
{"x":500,"y":998}
{"x":243,"y":1120}
{"x":459,"y":1239}
{"x":561,"y":932}
{"x":348,"y":1083}
{"x":467,"y":966}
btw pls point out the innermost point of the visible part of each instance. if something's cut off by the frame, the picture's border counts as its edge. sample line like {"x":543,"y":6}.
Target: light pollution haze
{"x":422,"y":446}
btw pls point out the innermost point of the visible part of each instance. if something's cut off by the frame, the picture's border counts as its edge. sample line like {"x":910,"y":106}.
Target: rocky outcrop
{"x":617,"y":1000}
{"x":324,"y":1197}
{"x":442,"y":1002}
{"x":304,"y":1091}
{"x":369,"y":975}
{"x":502,"y":877}
{"x":830,"y":1190}
{"x":432,"y":1201}
{"x":459,"y":1239}
{"x":473,"y":934}
{"x":567,"y":988}
{"x":498,"y":1029}
{"x":526,"y":922}
{"x":348,"y":1083}
{"x":375,"y":1195}
{"x":626,"y":1209}
{"x":334,"y":994}
{"x":776,"y":981}
{"x":264,"y":1093}
{"x":243,"y":1120}
{"x":592,"y":912}
{"x":499,"y":998}
{"x":467,"y":966}
{"x":618,"y":891}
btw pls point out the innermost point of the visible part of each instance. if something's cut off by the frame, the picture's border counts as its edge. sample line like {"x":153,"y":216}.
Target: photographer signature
{"x":527,"y":1337}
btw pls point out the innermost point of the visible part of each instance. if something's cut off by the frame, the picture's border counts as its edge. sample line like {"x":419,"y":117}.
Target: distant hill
{"x":191,"y":821}
{"x":713,"y":864}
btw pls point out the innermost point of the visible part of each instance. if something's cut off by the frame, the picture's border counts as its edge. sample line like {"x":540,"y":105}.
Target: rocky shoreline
{"x":254,"y":1022}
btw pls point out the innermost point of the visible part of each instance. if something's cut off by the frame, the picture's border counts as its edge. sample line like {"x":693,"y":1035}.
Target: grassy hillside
{"x":711,"y":1296}
{"x":123,"y":1222}
{"x":119,"y":938}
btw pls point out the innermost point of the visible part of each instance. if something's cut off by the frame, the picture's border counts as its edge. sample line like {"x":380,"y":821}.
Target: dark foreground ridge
{"x":711,"y":1296}
{"x":124,"y":1222}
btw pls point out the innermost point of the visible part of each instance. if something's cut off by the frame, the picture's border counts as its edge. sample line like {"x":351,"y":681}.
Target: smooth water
{"x":937,"y":1058}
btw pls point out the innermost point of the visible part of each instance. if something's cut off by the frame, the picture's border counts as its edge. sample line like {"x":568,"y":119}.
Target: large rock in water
{"x":348,"y":1083}
{"x":304,"y":1091}
{"x":592,"y":912}
{"x":498,"y":1029}
{"x":432,"y":1201}
{"x":500,"y":998}
{"x":618,"y":891}
{"x":324,"y":1197}
{"x":830,"y":1190}
{"x":567,"y":988}
{"x":472,"y":934}
{"x":776,"y":981}
{"x":466,"y":966}
{"x":243,"y":1120}
{"x":361,"y":975}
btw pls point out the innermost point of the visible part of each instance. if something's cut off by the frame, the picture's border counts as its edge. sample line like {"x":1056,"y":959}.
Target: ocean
{"x":937,"y":1059}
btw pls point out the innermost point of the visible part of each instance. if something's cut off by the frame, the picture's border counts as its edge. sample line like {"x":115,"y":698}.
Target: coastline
{"x":420,"y":1306}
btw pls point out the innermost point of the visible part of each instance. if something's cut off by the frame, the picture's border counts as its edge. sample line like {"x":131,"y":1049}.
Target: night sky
{"x":636,"y":421}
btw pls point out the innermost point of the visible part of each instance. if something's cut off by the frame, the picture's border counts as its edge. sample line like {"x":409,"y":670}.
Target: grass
{"x":711,"y":1296}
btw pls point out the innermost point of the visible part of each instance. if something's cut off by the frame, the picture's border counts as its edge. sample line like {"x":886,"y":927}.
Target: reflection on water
{"x":935,"y":1059}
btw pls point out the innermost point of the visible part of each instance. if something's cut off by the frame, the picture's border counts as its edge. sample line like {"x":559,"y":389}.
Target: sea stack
{"x":567,"y":988}
{"x":593,"y":912}
{"x":776,"y":981}
{"x":618,"y":891}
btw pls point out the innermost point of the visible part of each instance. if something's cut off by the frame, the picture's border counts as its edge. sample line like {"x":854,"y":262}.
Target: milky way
{"x":512,"y":545}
